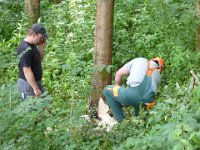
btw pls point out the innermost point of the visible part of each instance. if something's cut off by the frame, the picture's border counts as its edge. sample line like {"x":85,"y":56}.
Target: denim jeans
{"x":26,"y":90}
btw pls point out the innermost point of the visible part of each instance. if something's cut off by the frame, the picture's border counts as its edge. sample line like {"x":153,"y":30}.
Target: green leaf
{"x":187,"y":128}
{"x":11,"y":141}
{"x":129,"y":142}
{"x":102,"y":67}
{"x":192,"y":135}
{"x":178,"y":146}
{"x":196,"y":140}
{"x":108,"y":68}
{"x":187,"y":144}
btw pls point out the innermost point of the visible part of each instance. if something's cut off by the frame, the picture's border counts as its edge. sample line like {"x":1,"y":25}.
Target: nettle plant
{"x":152,"y":28}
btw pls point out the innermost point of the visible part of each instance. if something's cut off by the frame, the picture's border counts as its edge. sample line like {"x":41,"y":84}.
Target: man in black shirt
{"x":30,"y":54}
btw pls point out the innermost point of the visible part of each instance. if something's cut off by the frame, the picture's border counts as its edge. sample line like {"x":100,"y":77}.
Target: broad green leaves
{"x":141,"y":28}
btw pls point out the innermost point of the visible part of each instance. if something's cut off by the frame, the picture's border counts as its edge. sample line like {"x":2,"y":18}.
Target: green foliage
{"x":141,"y":29}
{"x":9,"y":15}
{"x":157,"y":28}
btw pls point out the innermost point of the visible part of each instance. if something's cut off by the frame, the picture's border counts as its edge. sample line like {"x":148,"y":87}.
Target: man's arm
{"x":119,"y":74}
{"x":31,"y":80}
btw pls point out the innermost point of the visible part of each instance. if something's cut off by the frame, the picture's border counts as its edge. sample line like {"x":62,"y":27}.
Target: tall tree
{"x":103,"y":50}
{"x":56,"y":1}
{"x":198,"y":26}
{"x":32,"y":9}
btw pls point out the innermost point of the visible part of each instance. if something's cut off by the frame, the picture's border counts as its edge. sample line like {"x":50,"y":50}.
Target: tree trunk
{"x":32,"y":9}
{"x":56,"y":1}
{"x":198,"y":26}
{"x":103,"y":50}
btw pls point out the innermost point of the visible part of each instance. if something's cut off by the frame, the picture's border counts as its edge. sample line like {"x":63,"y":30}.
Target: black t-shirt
{"x":29,"y":56}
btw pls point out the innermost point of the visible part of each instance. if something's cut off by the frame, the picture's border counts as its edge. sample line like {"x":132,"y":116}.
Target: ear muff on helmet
{"x":160,"y":62}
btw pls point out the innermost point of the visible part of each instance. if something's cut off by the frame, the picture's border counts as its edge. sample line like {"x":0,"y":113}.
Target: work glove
{"x":150,"y":105}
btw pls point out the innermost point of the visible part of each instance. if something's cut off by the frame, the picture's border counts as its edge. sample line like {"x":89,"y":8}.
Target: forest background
{"x":165,"y":28}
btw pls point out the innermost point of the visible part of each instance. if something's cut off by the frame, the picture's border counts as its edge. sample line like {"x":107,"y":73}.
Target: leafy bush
{"x":141,"y":28}
{"x":9,"y":15}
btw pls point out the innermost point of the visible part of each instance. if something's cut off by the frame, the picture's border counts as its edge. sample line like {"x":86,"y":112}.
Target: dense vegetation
{"x":147,"y":28}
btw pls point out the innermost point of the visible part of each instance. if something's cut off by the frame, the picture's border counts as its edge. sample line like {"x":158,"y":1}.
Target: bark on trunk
{"x":32,"y":9}
{"x":103,"y":50}
{"x":56,"y":1}
{"x":198,"y":26}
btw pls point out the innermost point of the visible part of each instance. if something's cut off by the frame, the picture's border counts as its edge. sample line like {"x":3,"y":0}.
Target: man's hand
{"x":42,"y":41}
{"x":31,"y":80}
{"x":37,"y":91}
{"x":41,"y":46}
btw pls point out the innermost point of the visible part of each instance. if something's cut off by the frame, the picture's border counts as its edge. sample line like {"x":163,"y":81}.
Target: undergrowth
{"x":141,"y":29}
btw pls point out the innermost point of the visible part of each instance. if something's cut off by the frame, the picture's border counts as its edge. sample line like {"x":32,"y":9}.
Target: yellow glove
{"x":115,"y":90}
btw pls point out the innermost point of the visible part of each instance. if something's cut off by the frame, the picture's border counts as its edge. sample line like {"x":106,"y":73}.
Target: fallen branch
{"x":195,"y":78}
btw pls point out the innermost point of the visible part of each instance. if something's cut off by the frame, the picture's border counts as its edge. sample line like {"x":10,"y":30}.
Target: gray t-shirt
{"x":137,"y":71}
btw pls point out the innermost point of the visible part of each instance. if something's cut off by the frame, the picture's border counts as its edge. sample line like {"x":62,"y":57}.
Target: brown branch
{"x":195,"y":78}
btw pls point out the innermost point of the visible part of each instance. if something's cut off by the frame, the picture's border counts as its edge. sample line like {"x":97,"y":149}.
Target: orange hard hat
{"x":160,"y":62}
